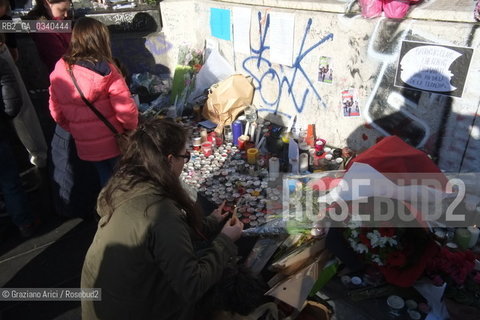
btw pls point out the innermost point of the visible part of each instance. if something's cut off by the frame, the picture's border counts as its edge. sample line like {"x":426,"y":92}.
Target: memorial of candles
{"x":235,"y":165}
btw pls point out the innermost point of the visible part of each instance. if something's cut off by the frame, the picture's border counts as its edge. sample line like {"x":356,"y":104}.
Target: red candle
{"x":207,"y":149}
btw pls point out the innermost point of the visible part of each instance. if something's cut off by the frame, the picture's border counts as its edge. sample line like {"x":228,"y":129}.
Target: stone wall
{"x":364,"y":56}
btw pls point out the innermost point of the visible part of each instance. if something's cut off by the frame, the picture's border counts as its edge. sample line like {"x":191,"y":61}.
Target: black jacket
{"x":10,"y":97}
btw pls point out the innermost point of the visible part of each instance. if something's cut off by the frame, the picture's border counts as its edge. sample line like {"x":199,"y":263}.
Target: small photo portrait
{"x":325,"y":71}
{"x":349,"y":105}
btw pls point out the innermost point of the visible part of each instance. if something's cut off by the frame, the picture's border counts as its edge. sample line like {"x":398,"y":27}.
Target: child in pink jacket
{"x":90,"y":59}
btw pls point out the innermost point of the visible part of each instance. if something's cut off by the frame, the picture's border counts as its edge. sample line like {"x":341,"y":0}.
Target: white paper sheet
{"x":241,"y":29}
{"x":434,"y":296}
{"x":282,"y":27}
{"x":210,"y":45}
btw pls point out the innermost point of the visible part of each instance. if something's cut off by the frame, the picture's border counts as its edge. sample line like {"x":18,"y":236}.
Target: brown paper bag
{"x":227,"y":99}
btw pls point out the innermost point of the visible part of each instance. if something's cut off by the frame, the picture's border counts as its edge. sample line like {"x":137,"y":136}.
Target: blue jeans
{"x":105,"y":169}
{"x":16,"y":200}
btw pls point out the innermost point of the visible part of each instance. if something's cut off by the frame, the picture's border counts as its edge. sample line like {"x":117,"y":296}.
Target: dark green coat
{"x":144,"y":261}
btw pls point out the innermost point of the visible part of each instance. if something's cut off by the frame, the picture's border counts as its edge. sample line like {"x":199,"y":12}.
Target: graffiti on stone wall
{"x":158,"y":45}
{"x":286,"y":80}
{"x":418,"y":117}
{"x":148,"y":21}
{"x":388,"y":109}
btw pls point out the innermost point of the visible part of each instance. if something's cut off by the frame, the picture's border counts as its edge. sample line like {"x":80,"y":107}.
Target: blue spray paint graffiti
{"x":279,"y":81}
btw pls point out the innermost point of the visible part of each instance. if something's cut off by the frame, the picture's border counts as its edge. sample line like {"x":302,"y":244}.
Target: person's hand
{"x":218,"y":213}
{"x":233,"y":229}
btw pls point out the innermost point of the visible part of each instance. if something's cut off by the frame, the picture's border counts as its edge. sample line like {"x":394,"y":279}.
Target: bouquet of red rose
{"x":456,"y":268}
{"x":401,"y":254}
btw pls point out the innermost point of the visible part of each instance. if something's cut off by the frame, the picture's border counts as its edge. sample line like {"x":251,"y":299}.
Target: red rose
{"x":396,"y":259}
{"x":363,"y":239}
{"x":387,"y":232}
{"x":437,"y":281}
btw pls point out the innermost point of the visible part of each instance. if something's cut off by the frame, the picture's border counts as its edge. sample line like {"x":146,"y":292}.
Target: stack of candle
{"x":232,"y":167}
{"x":222,"y":175}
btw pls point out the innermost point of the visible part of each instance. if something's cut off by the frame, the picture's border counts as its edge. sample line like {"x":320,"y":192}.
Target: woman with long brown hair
{"x":86,"y":86}
{"x":142,"y":256}
{"x":74,"y":182}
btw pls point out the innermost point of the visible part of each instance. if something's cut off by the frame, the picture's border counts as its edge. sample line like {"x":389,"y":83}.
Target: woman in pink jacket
{"x":90,"y":59}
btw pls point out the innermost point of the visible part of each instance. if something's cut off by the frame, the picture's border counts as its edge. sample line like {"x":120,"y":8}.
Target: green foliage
{"x":152,"y":2}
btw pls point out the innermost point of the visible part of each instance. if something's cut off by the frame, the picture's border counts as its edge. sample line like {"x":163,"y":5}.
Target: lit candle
{"x":274,"y":167}
{"x":253,"y":128}
{"x":303,"y":162}
{"x":474,"y":233}
{"x":252,"y":155}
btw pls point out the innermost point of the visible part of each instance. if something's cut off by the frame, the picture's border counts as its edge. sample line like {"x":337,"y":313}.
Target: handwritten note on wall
{"x":433,"y":68}
{"x":282,"y":27}
{"x":220,"y":23}
{"x":241,"y":29}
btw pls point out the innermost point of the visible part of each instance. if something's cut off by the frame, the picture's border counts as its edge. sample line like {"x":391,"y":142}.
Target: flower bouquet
{"x":400,"y":254}
{"x":190,"y":57}
{"x":380,"y":246}
{"x":190,"y":62}
{"x":456,"y":269}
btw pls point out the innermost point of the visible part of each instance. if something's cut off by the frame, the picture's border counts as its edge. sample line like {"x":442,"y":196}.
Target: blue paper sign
{"x":220,"y":23}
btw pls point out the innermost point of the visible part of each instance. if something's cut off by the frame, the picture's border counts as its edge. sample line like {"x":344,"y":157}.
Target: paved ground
{"x":53,"y":258}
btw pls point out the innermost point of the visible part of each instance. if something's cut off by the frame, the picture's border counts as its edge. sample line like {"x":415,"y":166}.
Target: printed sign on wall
{"x":433,"y":68}
{"x":325,"y":70}
{"x":349,"y":104}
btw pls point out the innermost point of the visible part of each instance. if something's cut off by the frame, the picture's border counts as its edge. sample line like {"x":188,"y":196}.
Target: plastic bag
{"x":153,"y":83}
{"x":394,"y":9}
{"x":275,"y":227}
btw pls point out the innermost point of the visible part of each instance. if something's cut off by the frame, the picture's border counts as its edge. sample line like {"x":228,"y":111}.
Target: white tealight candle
{"x":474,"y":233}
{"x":356,"y":281}
{"x":396,"y":302}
